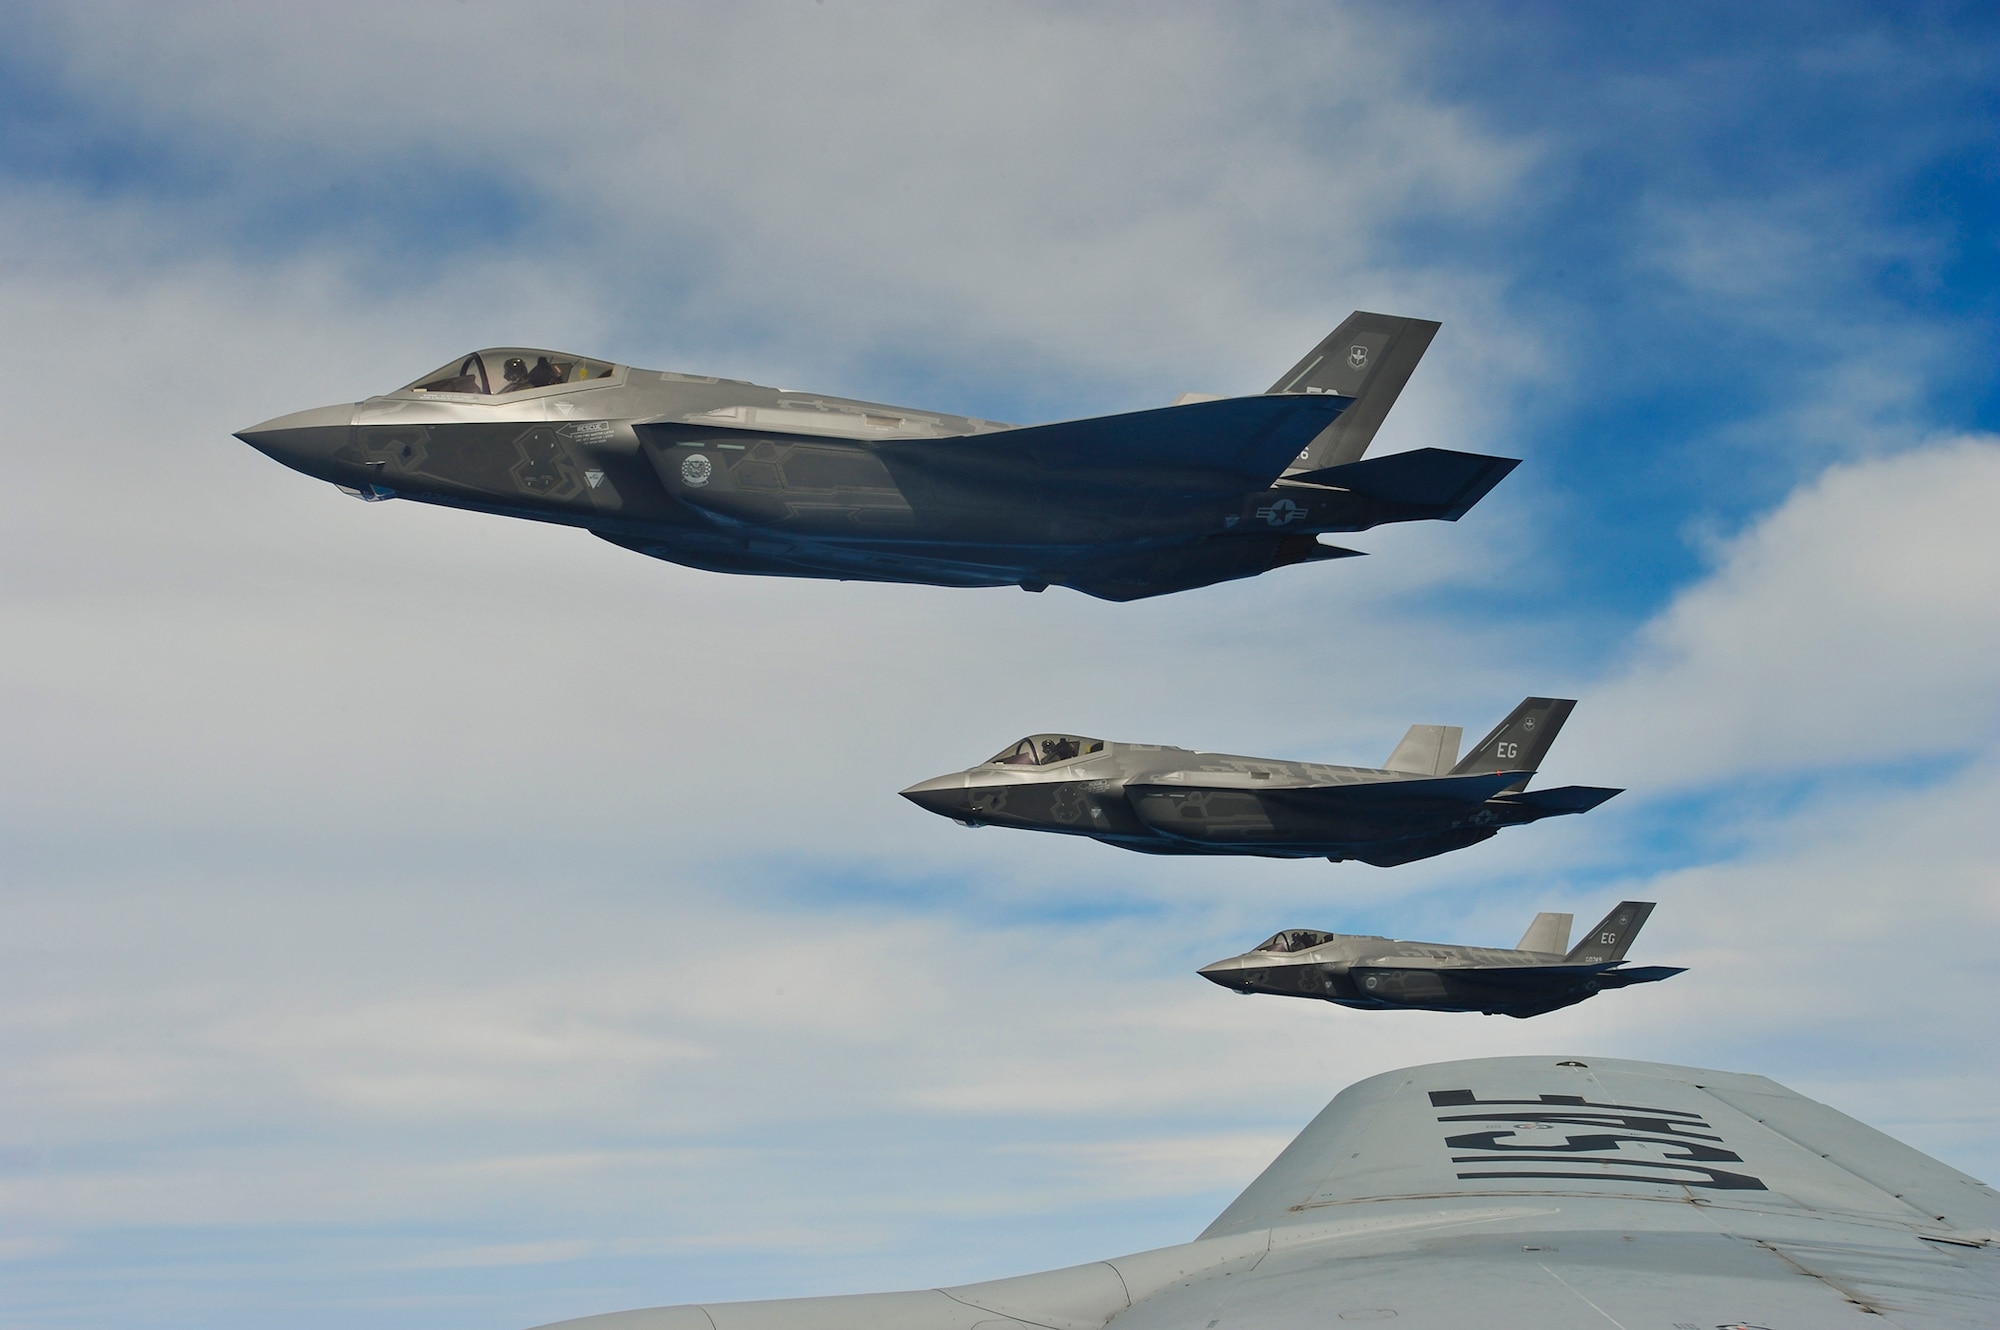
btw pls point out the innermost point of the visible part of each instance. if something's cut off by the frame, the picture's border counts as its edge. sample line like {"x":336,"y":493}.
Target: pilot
{"x":517,"y":374}
{"x":1059,"y":750}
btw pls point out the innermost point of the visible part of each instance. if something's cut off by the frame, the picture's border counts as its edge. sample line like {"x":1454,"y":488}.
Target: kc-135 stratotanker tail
{"x":733,"y":477}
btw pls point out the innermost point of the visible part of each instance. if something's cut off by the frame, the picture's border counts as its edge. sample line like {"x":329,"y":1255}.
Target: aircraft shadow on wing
{"x":1158,"y":800}
{"x":733,"y":477}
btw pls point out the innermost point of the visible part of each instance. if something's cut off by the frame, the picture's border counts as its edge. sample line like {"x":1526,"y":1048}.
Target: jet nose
{"x":305,"y":440}
{"x":1230,"y":974}
{"x":944,"y":795}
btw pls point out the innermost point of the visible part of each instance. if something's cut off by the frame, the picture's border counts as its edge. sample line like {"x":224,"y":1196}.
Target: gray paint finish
{"x":1161,"y":800}
{"x":1384,"y":974}
{"x":735,"y":477}
{"x":1525,"y":1193}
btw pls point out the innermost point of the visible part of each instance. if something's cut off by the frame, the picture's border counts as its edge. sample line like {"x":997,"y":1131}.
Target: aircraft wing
{"x":1421,"y":791}
{"x":1519,"y":1193}
{"x":1608,"y":974}
{"x":1365,"y":794}
{"x":1201,"y":449}
{"x":1432,"y":482}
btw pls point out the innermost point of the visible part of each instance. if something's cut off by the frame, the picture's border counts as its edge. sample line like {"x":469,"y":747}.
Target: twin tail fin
{"x":1369,"y":358}
{"x":1612,"y":937}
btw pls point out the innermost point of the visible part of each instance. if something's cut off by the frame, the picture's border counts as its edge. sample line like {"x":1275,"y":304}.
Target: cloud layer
{"x":445,"y":920}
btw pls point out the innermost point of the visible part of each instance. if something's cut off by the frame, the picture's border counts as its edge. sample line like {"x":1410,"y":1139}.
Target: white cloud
{"x":1857,"y":623}
{"x":393,"y":868}
{"x":1065,"y":191}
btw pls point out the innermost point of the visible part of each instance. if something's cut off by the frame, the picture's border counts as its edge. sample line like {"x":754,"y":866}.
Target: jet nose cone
{"x":944,"y":795}
{"x":305,"y":440}
{"x":1228,"y":973}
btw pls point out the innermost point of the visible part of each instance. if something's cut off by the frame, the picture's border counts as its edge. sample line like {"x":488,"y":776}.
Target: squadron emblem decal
{"x":1357,"y":356}
{"x":1590,"y":1142}
{"x":696,"y":470}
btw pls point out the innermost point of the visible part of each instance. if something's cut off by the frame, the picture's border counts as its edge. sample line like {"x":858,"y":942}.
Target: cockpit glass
{"x":509,"y":369}
{"x":1042,"y":750}
{"x":1294,"y":939}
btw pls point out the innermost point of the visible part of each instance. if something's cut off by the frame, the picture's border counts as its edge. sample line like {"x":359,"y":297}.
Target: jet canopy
{"x":1294,"y":939}
{"x":1045,"y":750}
{"x":508,"y":369}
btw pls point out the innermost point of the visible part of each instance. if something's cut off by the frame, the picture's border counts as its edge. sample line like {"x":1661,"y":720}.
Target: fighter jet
{"x":1520,"y":1193}
{"x":1159,"y":800}
{"x":1374,"y":973}
{"x":732,"y":477}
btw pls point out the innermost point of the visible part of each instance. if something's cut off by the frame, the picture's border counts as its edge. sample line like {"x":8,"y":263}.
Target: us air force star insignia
{"x":696,"y":470}
{"x":1281,"y":512}
{"x":1357,"y":356}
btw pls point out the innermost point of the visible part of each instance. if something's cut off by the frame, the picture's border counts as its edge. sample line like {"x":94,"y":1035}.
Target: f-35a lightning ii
{"x":1159,"y":800}
{"x":737,"y":478}
{"x":1374,"y":973}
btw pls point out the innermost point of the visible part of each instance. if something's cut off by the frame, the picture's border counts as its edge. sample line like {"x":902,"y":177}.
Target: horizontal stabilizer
{"x":1558,"y":800}
{"x":1638,"y":974}
{"x":1436,"y":482}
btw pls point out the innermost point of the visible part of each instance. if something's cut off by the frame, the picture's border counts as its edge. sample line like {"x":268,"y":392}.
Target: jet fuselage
{"x":734,"y":477}
{"x":1379,"y":973}
{"x":1163,"y":800}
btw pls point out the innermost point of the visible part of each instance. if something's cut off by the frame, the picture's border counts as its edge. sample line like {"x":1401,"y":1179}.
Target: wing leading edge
{"x":1515,"y":1193}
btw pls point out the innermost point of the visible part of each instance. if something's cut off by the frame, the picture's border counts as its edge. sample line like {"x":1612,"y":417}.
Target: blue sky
{"x":426,"y":919}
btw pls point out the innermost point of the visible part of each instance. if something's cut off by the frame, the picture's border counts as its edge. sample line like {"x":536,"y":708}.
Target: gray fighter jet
{"x":1376,"y":973}
{"x":1521,"y":1193}
{"x":1160,"y":800}
{"x":736,"y":478}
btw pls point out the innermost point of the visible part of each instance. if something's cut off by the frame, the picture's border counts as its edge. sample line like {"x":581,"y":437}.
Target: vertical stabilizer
{"x":1369,"y":358}
{"x":1520,"y":742}
{"x":1427,"y":750}
{"x":1549,"y":934}
{"x":1612,"y":937}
